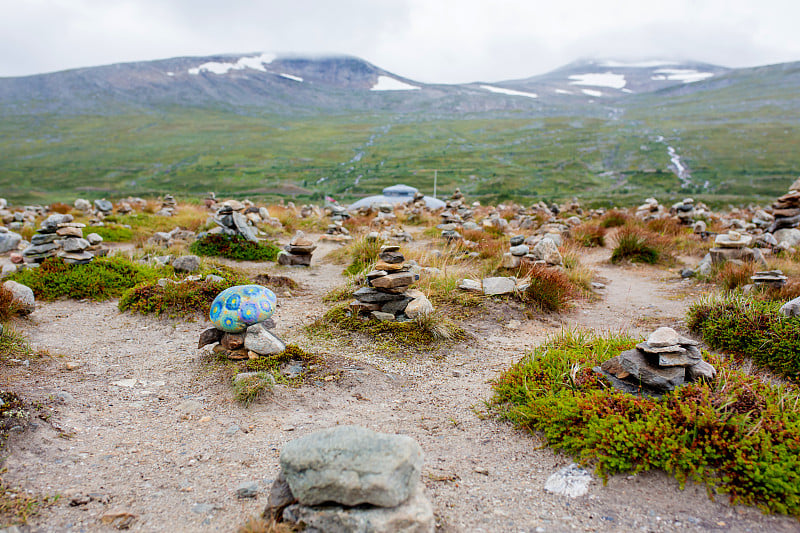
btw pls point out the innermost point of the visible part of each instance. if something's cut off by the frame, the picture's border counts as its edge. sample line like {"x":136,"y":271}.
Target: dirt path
{"x":146,"y":429}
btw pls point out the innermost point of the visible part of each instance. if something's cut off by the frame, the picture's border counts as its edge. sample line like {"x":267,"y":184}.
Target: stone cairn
{"x":241,"y":316}
{"x":786,"y":209}
{"x":665,"y":361}
{"x":168,"y":206}
{"x":298,"y":251}
{"x":58,"y":232}
{"x":387,"y":296}
{"x":231,"y":221}
{"x":336,"y":232}
{"x":769,"y":279}
{"x":733,"y":246}
{"x":350,"y":478}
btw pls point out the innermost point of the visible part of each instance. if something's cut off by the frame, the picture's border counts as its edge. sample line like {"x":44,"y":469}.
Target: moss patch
{"x":738,"y":435}
{"x":234,"y":247}
{"x":102,"y":279}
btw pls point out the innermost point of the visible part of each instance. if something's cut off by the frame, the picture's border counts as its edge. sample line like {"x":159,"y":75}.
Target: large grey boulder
{"x":9,"y":241}
{"x":791,"y":308}
{"x":789,"y":238}
{"x":23,"y":296}
{"x":351,"y":465}
{"x":413,"y":516}
{"x":186,"y":263}
{"x":547,"y":251}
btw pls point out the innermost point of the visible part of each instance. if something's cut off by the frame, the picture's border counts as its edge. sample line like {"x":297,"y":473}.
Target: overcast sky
{"x":445,"y":41}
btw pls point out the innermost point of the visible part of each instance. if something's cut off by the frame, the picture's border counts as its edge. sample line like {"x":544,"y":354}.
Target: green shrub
{"x":638,"y":246}
{"x":112,"y":232}
{"x":234,"y":247}
{"x":749,"y":327}
{"x":738,"y":435}
{"x":103,"y":278}
{"x":363,"y":253}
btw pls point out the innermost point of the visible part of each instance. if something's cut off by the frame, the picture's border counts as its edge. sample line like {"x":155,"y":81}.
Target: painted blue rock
{"x":236,"y":308}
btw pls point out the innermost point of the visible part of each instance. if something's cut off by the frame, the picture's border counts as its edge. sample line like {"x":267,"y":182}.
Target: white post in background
{"x":435,"y":172}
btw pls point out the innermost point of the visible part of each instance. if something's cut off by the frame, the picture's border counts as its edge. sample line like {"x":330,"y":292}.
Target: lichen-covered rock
{"x":236,"y":308}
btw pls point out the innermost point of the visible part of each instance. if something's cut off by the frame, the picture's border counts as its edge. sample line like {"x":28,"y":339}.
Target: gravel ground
{"x":142,"y":426}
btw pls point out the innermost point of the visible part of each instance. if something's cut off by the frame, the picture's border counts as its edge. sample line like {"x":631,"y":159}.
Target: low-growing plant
{"x":113,"y":232}
{"x":8,"y":306}
{"x":731,"y":276}
{"x":745,"y":326}
{"x":423,"y":332}
{"x":103,"y":278}
{"x":737,"y":434}
{"x":614,"y":219}
{"x":589,"y":235}
{"x":234,"y":247}
{"x":173,"y":298}
{"x":549,"y":289}
{"x":667,"y":226}
{"x":13,"y":345}
{"x":361,"y":253}
{"x":638,"y":246}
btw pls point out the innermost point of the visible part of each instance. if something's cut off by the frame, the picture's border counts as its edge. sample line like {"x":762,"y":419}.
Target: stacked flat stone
{"x":684,"y":210}
{"x":786,"y":209}
{"x":733,"y":246}
{"x":242,"y":319}
{"x":351,"y":479}
{"x":9,"y":241}
{"x":650,"y":208}
{"x":665,"y":361}
{"x":298,"y":251}
{"x":103,"y":207}
{"x":772,"y":279}
{"x":387,"y":296}
{"x":518,"y":250}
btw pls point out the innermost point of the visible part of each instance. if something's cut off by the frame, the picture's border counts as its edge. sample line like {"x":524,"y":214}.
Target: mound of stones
{"x":298,"y":251}
{"x":231,"y":221}
{"x":666,"y":360}
{"x":242,"y":319}
{"x":168,"y":206}
{"x":786,"y":209}
{"x":770,"y":279}
{"x":351,"y":479}
{"x":387,"y":296}
{"x":336,"y":232}
{"x":58,"y":235}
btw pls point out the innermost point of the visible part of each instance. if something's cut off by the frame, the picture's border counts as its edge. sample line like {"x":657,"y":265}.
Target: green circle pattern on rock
{"x":236,"y":308}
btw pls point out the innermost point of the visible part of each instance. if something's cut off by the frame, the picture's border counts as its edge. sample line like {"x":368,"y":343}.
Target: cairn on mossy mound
{"x":242,"y":319}
{"x":230,"y":221}
{"x":59,"y":235}
{"x":665,"y":361}
{"x":298,"y":251}
{"x":387,"y":296}
{"x":349,"y":479}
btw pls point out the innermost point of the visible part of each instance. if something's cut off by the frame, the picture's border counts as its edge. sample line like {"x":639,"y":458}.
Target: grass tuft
{"x":638,"y":246}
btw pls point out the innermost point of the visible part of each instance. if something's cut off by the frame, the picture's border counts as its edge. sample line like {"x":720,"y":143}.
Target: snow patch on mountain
{"x":290,"y":77}
{"x":680,"y":74}
{"x":387,"y":83}
{"x":590,"y":92}
{"x":219,"y":68}
{"x":599,"y":79}
{"x":562,"y":91}
{"x":509,"y":92}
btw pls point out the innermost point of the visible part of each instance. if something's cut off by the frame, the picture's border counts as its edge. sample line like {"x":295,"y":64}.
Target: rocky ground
{"x":142,"y":425}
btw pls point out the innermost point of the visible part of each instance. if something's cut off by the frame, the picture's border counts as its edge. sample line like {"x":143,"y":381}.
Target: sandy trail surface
{"x":144,"y":427}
